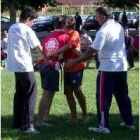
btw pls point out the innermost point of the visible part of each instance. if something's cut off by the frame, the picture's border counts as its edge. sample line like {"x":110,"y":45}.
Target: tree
{"x":14,"y":5}
{"x":122,"y":3}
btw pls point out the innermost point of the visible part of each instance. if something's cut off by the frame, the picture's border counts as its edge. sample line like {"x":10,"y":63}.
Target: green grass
{"x":60,"y":112}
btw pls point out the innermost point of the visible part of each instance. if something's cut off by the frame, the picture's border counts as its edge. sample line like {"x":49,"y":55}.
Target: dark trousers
{"x":109,"y":83}
{"x":130,"y":54}
{"x":24,"y":100}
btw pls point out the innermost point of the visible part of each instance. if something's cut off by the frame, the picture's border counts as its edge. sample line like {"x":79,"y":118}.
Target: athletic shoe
{"x":31,"y":130}
{"x":99,"y":130}
{"x":44,"y":124}
{"x":132,"y":127}
{"x":131,"y":68}
{"x":85,"y":120}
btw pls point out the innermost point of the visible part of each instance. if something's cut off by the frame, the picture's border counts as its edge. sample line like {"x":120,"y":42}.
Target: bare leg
{"x":82,"y":101}
{"x":71,"y":102}
{"x":45,"y":105}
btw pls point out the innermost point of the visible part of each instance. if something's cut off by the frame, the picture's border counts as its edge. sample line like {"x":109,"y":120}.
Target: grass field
{"x":59,"y":112}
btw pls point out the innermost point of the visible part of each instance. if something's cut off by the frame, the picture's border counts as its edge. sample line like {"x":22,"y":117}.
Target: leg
{"x":17,"y":110}
{"x":45,"y":105}
{"x":122,"y":98}
{"x":71,"y":102}
{"x":28,"y":99}
{"x":82,"y":101}
{"x":103,"y":98}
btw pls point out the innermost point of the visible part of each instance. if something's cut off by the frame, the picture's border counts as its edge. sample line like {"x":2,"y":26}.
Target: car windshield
{"x":90,"y":18}
{"x":4,"y":19}
{"x":43,"y":18}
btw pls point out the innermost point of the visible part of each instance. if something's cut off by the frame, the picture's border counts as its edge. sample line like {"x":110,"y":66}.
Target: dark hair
{"x":103,"y":11}
{"x":82,"y":31}
{"x":126,"y":28}
{"x":58,"y":22}
{"x":28,"y":12}
{"x":4,"y":33}
{"x":69,"y":23}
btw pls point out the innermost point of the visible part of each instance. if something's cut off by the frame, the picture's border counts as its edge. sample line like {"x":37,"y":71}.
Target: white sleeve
{"x":99,"y":41}
{"x":32,"y":39}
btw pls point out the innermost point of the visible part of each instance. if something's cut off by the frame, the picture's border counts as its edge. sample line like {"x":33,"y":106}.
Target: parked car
{"x":91,"y":23}
{"x":132,"y":17}
{"x":44,"y":23}
{"x":5,"y":23}
{"x":84,"y":17}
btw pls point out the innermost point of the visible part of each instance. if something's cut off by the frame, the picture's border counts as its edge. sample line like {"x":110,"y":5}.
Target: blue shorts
{"x":49,"y":78}
{"x":73,"y":79}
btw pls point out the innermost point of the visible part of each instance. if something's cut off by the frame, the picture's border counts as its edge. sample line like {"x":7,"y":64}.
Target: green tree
{"x":14,"y":5}
{"x":122,"y":3}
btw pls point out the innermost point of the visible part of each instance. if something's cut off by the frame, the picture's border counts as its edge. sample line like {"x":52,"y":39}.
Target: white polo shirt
{"x":20,"y":39}
{"x":109,"y":42}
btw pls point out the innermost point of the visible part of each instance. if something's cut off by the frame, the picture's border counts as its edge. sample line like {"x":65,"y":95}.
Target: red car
{"x":91,"y":23}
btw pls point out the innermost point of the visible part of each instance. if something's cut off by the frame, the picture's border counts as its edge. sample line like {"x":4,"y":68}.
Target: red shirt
{"x":70,"y":54}
{"x":53,"y":42}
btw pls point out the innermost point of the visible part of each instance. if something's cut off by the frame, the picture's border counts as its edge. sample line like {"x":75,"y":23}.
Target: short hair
{"x":58,"y":22}
{"x":4,"y":33}
{"x":82,"y":31}
{"x":103,"y":11}
{"x":28,"y":12}
{"x":69,"y":23}
{"x":126,"y":28}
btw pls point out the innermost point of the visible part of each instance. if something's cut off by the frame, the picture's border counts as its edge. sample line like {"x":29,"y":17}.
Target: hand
{"x":70,"y":63}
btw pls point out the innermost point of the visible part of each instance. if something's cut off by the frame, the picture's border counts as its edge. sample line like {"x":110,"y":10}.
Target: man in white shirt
{"x":20,"y":39}
{"x":112,"y":76}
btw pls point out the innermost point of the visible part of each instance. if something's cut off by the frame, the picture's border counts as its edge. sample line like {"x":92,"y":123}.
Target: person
{"x":112,"y":75}
{"x":74,"y":75}
{"x":129,"y":50}
{"x":20,"y":39}
{"x":135,"y":45}
{"x":50,"y":74}
{"x":4,"y":36}
{"x":124,"y":19}
{"x":78,"y":20}
{"x":85,"y":42}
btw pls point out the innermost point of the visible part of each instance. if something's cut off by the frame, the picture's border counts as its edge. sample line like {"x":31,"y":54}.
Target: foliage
{"x":63,"y":130}
{"x":19,"y":4}
{"x":121,"y":3}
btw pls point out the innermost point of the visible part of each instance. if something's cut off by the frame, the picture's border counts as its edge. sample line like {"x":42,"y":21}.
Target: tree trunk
{"x":12,"y":12}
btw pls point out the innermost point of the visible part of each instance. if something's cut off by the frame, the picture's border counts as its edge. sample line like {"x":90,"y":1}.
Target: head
{"x":126,"y":31}
{"x":4,"y":34}
{"x":58,"y":22}
{"x":77,"y":13}
{"x":69,"y":24}
{"x":28,"y":14}
{"x":102,"y":15}
{"x":82,"y":33}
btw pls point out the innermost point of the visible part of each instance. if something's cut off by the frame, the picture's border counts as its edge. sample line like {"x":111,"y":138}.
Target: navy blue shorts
{"x":49,"y":78}
{"x":73,"y":79}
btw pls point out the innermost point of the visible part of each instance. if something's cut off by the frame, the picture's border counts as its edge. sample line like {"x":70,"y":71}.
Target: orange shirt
{"x":70,"y":54}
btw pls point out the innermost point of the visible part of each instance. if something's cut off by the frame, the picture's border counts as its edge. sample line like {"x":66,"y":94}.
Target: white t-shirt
{"x":20,"y":39}
{"x":110,"y":44}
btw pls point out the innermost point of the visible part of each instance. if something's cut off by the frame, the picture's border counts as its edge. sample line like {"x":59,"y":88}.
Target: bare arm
{"x":62,"y":49}
{"x":43,"y":54}
{"x":86,"y":56}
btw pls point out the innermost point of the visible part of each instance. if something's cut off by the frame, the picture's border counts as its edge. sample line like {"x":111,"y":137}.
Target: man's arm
{"x":43,"y":54}
{"x":86,"y":56}
{"x":60,"y":50}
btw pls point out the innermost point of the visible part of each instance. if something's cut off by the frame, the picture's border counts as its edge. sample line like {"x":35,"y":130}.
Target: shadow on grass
{"x":63,"y":130}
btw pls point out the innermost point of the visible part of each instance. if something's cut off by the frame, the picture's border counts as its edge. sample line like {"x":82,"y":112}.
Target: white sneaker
{"x":44,"y":124}
{"x":132,"y":127}
{"x":99,"y":129}
{"x":31,"y":130}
